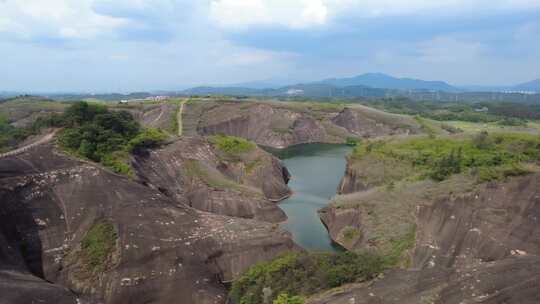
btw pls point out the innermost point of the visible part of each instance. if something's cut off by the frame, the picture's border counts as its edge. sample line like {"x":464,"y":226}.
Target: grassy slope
{"x":418,"y":158}
{"x":399,"y":170}
{"x":388,"y":212}
{"x":304,"y":274}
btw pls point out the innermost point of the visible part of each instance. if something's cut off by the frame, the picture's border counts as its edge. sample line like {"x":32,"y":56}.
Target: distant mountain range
{"x":383,"y":81}
{"x":533,"y":86}
{"x":265,"y":84}
{"x":376,"y":85}
{"x":527,"y":87}
{"x":371,"y":80}
{"x":365,"y":85}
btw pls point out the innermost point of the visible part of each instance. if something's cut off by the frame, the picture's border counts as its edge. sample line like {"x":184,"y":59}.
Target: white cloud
{"x":242,"y":14}
{"x":448,"y":50}
{"x":83,"y":19}
{"x":244,"y":57}
{"x":239,"y":14}
{"x":68,"y":19}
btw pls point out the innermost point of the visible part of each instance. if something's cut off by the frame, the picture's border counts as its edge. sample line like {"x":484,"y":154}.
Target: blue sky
{"x":128,"y":45}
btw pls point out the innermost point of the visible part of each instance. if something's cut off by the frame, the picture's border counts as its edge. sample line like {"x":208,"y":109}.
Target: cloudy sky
{"x":126,"y":45}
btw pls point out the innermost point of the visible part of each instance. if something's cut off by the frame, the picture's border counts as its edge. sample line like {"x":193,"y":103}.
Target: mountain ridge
{"x":384,"y":81}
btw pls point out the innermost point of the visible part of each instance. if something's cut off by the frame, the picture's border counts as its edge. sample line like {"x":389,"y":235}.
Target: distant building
{"x":483,"y":109}
{"x":520,"y":92}
{"x":157,"y":98}
{"x":295,"y":92}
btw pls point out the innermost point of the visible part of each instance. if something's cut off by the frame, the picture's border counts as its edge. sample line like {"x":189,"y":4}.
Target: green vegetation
{"x":325,"y":106}
{"x":252,"y":165}
{"x":430,"y":130}
{"x":350,"y":234}
{"x":148,"y":138}
{"x":173,"y":128}
{"x":282,"y":130}
{"x":507,"y":113}
{"x":398,"y":247}
{"x":353,"y":141}
{"x":9,"y":135}
{"x":97,"y":246}
{"x":174,"y":121}
{"x":231,"y":145}
{"x":212,"y":178}
{"x":451,"y":129}
{"x":439,"y":158}
{"x":93,"y":132}
{"x":29,"y":108}
{"x":302,"y":274}
{"x":485,"y":174}
{"x":286,"y":299}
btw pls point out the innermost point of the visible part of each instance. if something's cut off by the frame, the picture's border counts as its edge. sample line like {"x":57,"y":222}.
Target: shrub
{"x":399,"y":246}
{"x":448,"y":165}
{"x":451,"y":129}
{"x":149,"y":138}
{"x":486,"y":174}
{"x":439,"y":158}
{"x":353,"y":141}
{"x":98,"y":245}
{"x":117,"y":162}
{"x":304,"y":274}
{"x":231,"y":144}
{"x":285,"y":299}
{"x":9,"y":135}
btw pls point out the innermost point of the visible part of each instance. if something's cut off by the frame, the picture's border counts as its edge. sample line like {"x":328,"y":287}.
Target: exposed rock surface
{"x":370,"y":171}
{"x":193,"y":172}
{"x":481,"y":246}
{"x":21,"y":287}
{"x":165,"y":251}
{"x":365,"y":122}
{"x":352,"y":180}
{"x":280,"y":124}
{"x":154,"y":115}
{"x":513,"y":280}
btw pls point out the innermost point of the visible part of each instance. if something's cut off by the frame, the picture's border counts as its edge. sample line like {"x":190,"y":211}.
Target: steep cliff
{"x":281,"y":124}
{"x":71,"y":224}
{"x":196,"y":173}
{"x":482,"y":245}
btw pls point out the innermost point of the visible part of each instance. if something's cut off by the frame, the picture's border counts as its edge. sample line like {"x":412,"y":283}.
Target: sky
{"x":136,"y":45}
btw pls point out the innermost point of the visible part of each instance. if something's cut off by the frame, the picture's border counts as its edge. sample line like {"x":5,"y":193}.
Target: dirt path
{"x":179,"y":117}
{"x":45,"y":139}
{"x":162,"y":109}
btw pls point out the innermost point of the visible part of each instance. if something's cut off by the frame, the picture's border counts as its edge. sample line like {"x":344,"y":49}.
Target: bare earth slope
{"x":164,"y":252}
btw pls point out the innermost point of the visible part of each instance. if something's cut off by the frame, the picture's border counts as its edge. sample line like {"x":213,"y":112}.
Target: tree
{"x":448,"y":165}
{"x":87,"y":149}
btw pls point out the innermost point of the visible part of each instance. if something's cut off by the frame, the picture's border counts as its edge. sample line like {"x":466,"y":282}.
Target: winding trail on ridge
{"x":156,"y":120}
{"x":179,"y":117}
{"x":45,"y":139}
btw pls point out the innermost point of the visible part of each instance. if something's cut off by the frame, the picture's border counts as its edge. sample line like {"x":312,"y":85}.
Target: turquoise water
{"x":316,"y":170}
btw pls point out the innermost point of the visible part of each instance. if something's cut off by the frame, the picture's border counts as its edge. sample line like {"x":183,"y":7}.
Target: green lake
{"x":316,"y":170}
